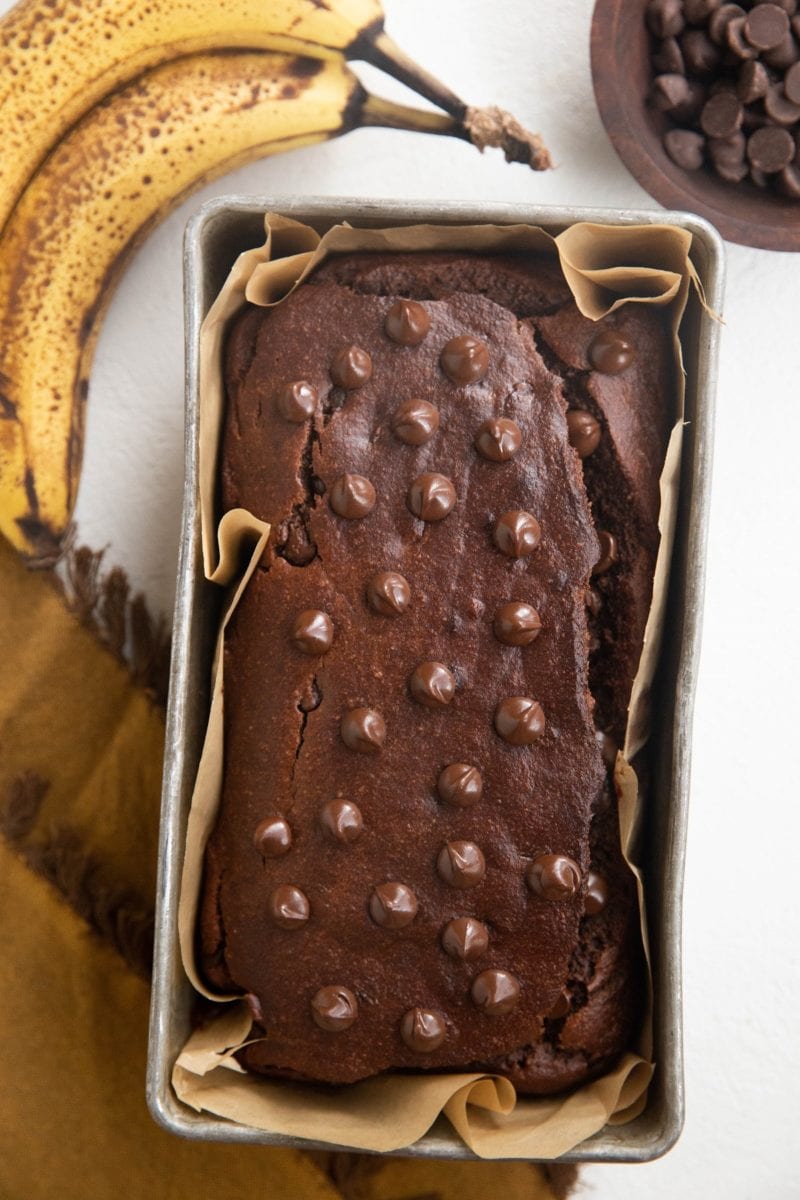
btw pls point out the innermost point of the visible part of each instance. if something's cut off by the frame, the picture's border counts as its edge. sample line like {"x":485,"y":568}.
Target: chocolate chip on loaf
{"x":388,"y":593}
{"x":465,"y":938}
{"x":431,"y":496}
{"x":415,"y":422}
{"x":342,"y":821}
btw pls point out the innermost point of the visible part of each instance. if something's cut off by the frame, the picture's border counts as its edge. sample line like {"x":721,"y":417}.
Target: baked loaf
{"x":416,"y":862}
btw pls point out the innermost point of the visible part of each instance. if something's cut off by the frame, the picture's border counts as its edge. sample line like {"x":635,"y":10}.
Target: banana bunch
{"x":111,"y":111}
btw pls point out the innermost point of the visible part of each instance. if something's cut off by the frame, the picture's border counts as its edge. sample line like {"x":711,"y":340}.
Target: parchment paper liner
{"x":605,"y":266}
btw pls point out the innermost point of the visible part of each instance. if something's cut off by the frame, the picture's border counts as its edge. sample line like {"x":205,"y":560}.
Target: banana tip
{"x":494,"y":126}
{"x":42,"y":546}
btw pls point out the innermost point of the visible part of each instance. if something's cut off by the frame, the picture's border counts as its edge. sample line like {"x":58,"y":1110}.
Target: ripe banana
{"x":116,"y":173}
{"x":58,"y":58}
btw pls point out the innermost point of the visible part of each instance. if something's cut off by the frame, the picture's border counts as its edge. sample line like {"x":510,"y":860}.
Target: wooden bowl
{"x":622,"y":74}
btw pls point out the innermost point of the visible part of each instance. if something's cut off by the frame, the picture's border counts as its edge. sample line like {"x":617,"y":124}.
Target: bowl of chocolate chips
{"x":701,"y":100}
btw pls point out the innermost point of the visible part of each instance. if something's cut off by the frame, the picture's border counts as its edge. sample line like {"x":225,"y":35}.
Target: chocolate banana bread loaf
{"x":416,"y":862}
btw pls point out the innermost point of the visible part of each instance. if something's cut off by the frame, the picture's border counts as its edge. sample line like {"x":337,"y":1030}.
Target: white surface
{"x":741,"y":905}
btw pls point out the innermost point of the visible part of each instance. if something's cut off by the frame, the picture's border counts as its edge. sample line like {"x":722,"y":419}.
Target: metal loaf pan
{"x":216,"y":235}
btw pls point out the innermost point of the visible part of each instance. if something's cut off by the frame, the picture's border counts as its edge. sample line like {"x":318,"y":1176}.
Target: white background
{"x":741,"y":899}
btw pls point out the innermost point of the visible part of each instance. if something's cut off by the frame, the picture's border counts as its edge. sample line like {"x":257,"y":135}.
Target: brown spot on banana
{"x":8,"y":409}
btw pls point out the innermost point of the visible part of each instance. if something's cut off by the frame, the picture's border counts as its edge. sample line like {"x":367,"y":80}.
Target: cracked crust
{"x":283,"y":712}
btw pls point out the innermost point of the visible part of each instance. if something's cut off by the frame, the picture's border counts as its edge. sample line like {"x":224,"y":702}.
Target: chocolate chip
{"x":583,"y":431}
{"x":782,"y":56}
{"x":460,"y":784}
{"x":670,"y":92}
{"x":388,"y":593}
{"x":495,"y":993}
{"x":407,"y":323}
{"x":685,"y":148}
{"x":392,"y":905}
{"x":519,"y":720}
{"x":297,"y":401}
{"x":728,"y":151}
{"x":782,"y":111}
{"x":553,"y":876}
{"x":791,"y":84}
{"x":351,"y":367}
{"x":770,"y":149}
{"x":610,"y":353}
{"x":752,"y":82}
{"x":721,"y":115}
{"x":698,"y":11}
{"x":363,"y":730}
{"x":498,"y":439}
{"x":312,"y":632}
{"x":735,"y":40}
{"x":731,"y":170}
{"x":415,"y":422}
{"x":517,"y":533}
{"x":273,"y":837}
{"x":765,"y":26}
{"x":288,"y":907}
{"x":432,"y":685}
{"x":431,"y":497}
{"x":465,"y":359}
{"x":461,"y":864}
{"x":422,"y":1031}
{"x":609,"y":552}
{"x":334,"y":1008}
{"x":465,"y":938}
{"x":595,"y":896}
{"x":720,"y":20}
{"x":701,"y":55}
{"x":517,"y":623}
{"x":352,"y":497}
{"x":665,"y":17}
{"x":342,"y":821}
{"x":669,"y":59}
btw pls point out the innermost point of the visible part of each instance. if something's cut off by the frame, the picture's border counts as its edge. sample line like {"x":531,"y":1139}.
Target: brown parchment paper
{"x":605,"y":266}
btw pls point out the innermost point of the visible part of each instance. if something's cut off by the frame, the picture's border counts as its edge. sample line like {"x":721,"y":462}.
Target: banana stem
{"x":483,"y":127}
{"x":378,"y":111}
{"x":383,"y":52}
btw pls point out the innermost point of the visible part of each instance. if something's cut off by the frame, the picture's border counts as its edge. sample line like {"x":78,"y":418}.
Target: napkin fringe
{"x":114,"y":913}
{"x":103,"y":603}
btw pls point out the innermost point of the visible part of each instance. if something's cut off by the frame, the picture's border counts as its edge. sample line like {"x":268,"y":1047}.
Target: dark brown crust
{"x":317,"y":560}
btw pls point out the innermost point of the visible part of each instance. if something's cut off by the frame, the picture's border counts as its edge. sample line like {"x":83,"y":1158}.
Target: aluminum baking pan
{"x":215,"y":236}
